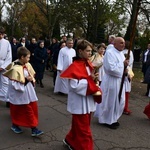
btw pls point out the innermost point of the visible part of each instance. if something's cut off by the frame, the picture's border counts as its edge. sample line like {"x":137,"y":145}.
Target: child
{"x":21,"y":93}
{"x":81,"y":104}
{"x":127,"y":81}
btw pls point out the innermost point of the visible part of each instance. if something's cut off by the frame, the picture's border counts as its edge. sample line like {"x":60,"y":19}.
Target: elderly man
{"x":111,"y":108}
{"x":111,"y":42}
{"x":5,"y":60}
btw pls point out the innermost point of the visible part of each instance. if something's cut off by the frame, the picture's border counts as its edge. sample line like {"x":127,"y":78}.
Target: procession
{"x":81,"y":77}
{"x":76,"y":83}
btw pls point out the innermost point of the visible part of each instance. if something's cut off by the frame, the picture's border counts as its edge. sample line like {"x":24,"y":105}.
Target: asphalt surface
{"x":55,"y":121}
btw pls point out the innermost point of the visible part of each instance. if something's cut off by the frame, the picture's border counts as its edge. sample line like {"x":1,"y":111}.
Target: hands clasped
{"x":29,"y":78}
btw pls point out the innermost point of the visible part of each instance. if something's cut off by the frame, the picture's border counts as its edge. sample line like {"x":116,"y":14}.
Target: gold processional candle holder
{"x":96,"y":66}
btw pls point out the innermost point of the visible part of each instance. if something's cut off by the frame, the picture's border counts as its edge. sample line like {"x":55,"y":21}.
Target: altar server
{"x":21,"y":94}
{"x":64,"y":60}
{"x":83,"y":92}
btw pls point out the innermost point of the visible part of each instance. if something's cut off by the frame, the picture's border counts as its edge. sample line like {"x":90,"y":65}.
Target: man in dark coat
{"x":14,"y":47}
{"x":145,"y":66}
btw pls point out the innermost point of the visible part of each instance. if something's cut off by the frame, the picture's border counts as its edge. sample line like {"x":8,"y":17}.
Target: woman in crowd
{"x":40,"y":58}
{"x":97,"y":61}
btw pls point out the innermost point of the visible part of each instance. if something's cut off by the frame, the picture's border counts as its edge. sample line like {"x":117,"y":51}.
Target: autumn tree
{"x":51,"y":10}
{"x":93,"y":19}
{"x":32,"y":23}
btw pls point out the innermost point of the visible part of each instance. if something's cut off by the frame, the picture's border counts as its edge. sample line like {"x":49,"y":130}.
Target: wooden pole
{"x":130,"y":46}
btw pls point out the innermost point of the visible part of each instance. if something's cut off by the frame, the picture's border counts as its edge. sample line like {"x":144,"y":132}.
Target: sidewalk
{"x":54,"y":120}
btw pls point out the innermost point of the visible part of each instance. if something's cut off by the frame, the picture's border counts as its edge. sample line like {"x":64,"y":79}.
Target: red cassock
{"x":80,"y":136}
{"x":24,"y":115}
{"x":147,"y":110}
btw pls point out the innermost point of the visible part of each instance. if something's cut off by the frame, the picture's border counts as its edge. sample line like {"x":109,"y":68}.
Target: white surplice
{"x":64,"y":60}
{"x":110,"y":109}
{"x":78,"y":102}
{"x":19,"y":94}
{"x":109,"y":46}
{"x":127,"y":83}
{"x":5,"y":60}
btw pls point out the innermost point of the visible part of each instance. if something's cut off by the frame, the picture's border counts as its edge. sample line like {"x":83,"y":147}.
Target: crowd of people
{"x":90,"y":77}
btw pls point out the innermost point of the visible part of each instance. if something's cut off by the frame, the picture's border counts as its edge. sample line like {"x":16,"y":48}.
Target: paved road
{"x":54,"y":120}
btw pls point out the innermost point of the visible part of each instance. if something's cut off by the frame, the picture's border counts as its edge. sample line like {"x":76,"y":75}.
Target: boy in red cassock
{"x":83,"y":92}
{"x":21,"y":94}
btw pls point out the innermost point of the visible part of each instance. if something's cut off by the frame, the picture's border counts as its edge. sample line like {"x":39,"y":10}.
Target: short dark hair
{"x":22,"y":51}
{"x":81,"y":45}
{"x":101,"y":45}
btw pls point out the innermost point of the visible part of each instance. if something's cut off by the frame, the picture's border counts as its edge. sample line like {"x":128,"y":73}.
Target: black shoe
{"x":60,"y":93}
{"x":146,"y":94}
{"x":117,"y":124}
{"x":41,"y":85}
{"x":37,"y":81}
{"x":111,"y":126}
{"x":7,"y":104}
{"x":67,"y":144}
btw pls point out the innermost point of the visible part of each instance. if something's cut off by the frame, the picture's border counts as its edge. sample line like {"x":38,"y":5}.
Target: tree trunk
{"x":131,"y":22}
